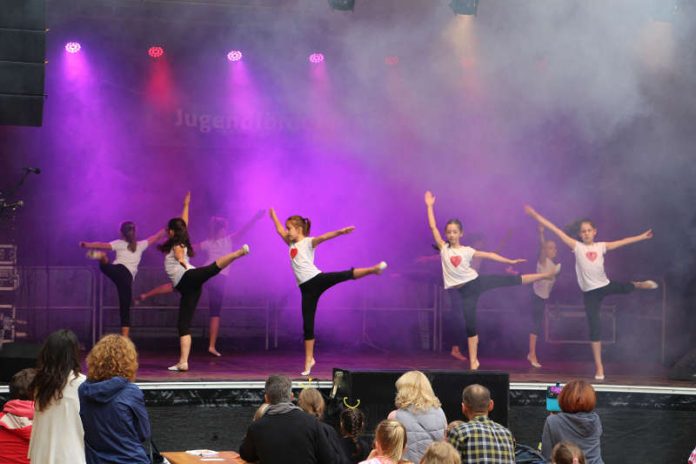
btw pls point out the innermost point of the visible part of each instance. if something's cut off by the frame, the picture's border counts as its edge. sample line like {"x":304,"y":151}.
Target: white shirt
{"x":456,"y":265}
{"x":57,"y":436}
{"x":128,"y":258}
{"x":589,"y":265}
{"x":175,"y":271}
{"x":302,"y":259}
{"x":542,"y":288}
{"x":214,"y":248}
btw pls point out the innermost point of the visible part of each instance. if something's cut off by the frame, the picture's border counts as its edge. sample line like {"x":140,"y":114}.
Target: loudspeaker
{"x":17,"y":356}
{"x":375,"y":391}
{"x":22,"y":62}
{"x":685,"y":368}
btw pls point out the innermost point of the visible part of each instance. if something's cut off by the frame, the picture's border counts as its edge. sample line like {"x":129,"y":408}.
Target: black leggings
{"x":465,"y":299}
{"x":593,"y":302}
{"x":216,"y":293}
{"x":312,"y":290}
{"x":538,"y":305}
{"x":123,"y":279}
{"x":191,"y":286}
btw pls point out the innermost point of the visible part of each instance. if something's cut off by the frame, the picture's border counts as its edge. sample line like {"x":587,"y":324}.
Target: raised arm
{"x":542,"y":241}
{"x":96,"y":245}
{"x":185,"y":212}
{"x":156,"y":237}
{"x":278,"y":225}
{"x":329,"y":235}
{"x":496,"y":257}
{"x":249,"y":224}
{"x":647,"y":235}
{"x":551,"y":226}
{"x":430,"y":204}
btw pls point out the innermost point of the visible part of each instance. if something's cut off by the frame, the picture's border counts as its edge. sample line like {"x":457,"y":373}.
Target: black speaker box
{"x":17,"y":356}
{"x":685,"y":368}
{"x":376,"y":390}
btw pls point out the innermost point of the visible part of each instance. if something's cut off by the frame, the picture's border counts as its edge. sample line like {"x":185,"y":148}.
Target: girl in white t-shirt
{"x":465,"y":285}
{"x":187,"y":279}
{"x":310,"y":279}
{"x":592,"y":279}
{"x":122,"y":271}
{"x":542,"y":291}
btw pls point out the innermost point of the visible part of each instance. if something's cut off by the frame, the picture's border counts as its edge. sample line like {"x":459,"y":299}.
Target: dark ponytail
{"x":352,"y":421}
{"x":303,"y":222}
{"x":128,"y":233}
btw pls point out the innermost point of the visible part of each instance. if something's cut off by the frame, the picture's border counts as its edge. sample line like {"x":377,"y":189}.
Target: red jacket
{"x":15,"y":431}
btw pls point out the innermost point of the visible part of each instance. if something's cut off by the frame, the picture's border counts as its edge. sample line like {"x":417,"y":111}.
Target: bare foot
{"x":457,"y":354}
{"x":646,"y":285}
{"x":533,"y":361}
{"x":308,"y":367}
{"x":474,"y":364}
{"x":214,"y":352}
{"x":179,"y":367}
{"x":379,"y":268}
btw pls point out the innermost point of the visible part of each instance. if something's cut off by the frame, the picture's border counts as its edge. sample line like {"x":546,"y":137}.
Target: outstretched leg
{"x":377,"y":269}
{"x":226,"y":260}
{"x":159,"y":290}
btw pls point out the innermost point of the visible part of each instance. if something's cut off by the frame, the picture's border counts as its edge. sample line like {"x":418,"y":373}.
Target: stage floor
{"x":256,"y":366}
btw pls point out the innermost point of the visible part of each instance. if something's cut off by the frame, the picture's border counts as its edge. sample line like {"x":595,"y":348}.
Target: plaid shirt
{"x":483,"y":441}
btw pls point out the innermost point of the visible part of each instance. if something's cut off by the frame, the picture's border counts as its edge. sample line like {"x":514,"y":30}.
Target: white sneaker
{"x":650,"y":285}
{"x":245,"y":247}
{"x":382,"y":266}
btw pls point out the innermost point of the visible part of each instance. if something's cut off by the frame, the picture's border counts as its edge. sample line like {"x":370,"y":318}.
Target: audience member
{"x":567,"y":453}
{"x":356,"y":447}
{"x":16,"y":418}
{"x":441,"y":452}
{"x":390,"y":444}
{"x":311,"y":402}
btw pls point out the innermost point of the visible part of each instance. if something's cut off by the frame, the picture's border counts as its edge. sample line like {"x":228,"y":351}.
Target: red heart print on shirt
{"x":591,"y":255}
{"x":293,"y":253}
{"x":456,"y":260}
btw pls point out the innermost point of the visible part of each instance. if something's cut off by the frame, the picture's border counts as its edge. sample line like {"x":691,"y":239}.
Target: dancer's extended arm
{"x":96,"y":245}
{"x":430,"y":204}
{"x":496,"y":257}
{"x":156,"y":237}
{"x":278,"y":225}
{"x":568,"y":240}
{"x":329,"y":235}
{"x":185,"y":212}
{"x":249,"y":224}
{"x":647,"y":235}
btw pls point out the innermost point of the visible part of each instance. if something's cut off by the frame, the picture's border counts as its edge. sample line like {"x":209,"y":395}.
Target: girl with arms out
{"x":465,"y":285}
{"x":312,"y":282}
{"x":592,"y":279}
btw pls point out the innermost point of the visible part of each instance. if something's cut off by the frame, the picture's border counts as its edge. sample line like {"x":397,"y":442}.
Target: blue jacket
{"x":115,"y":421}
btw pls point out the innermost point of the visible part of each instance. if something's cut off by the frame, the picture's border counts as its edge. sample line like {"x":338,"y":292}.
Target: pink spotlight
{"x":391,"y":60}
{"x":234,"y":55}
{"x":316,"y":58}
{"x":72,"y":47}
{"x":155,"y":52}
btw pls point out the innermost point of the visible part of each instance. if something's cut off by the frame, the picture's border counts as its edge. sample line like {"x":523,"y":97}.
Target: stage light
{"x":316,"y":58}
{"x":234,"y":55}
{"x":464,"y":7}
{"x":391,"y":60}
{"x":342,"y":5}
{"x":72,"y":47}
{"x":155,"y":52}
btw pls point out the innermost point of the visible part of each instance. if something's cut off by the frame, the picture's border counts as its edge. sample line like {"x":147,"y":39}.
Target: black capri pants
{"x":191,"y":287}
{"x":593,"y":302}
{"x":465,"y":299}
{"x":123,"y":279}
{"x":312,"y":290}
{"x":538,"y":305}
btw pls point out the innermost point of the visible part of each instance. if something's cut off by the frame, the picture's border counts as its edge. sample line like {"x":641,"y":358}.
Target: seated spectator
{"x":311,"y":402}
{"x":390,"y":444}
{"x":15,"y":419}
{"x":480,"y":440}
{"x":567,"y":453}
{"x":578,"y":423}
{"x":112,"y":408}
{"x":419,"y":412}
{"x":452,"y":425}
{"x":441,"y":452}
{"x":356,"y":447}
{"x":284,"y":434}
{"x":57,"y":436}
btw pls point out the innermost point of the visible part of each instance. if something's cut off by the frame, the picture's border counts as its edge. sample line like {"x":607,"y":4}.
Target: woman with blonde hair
{"x":418,"y":409}
{"x":441,"y":452}
{"x":112,"y":408}
{"x":390,"y":444}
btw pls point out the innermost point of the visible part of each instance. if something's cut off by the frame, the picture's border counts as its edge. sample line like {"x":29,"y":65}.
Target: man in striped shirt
{"x":480,"y":440}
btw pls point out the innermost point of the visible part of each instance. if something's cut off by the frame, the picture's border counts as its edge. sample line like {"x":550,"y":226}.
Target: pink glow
{"x":235,"y":55}
{"x":155,"y":52}
{"x":316,"y":58}
{"x":72,"y":47}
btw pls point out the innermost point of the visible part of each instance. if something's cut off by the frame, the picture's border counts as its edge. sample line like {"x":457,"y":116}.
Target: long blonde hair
{"x":441,"y":452}
{"x":413,"y":390}
{"x":390,"y":437}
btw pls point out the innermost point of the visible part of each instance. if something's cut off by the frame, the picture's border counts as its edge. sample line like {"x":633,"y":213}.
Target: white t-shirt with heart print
{"x":456,"y":265}
{"x":589,"y":265}
{"x":302,"y":259}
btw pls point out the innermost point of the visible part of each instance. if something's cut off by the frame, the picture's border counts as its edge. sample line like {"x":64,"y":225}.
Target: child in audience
{"x":390,"y":443}
{"x":441,"y":452}
{"x":356,"y":447}
{"x":311,"y":402}
{"x":567,"y":453}
{"x":15,"y":419}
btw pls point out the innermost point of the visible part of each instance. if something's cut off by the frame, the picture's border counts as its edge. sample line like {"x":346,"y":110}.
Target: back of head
{"x":112,"y":356}
{"x":178,"y":235}
{"x":567,"y":453}
{"x":128,"y":233}
{"x":390,"y":438}
{"x":577,"y":396}
{"x":216,"y":226}
{"x":441,"y":452}
{"x":20,"y":385}
{"x":58,"y":358}
{"x":300,"y":222}
{"x":278,"y":389}
{"x":311,"y":402}
{"x":413,"y":390}
{"x":476,"y":398}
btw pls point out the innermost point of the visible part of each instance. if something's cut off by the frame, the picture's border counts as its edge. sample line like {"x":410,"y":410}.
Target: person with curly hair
{"x":112,"y":407}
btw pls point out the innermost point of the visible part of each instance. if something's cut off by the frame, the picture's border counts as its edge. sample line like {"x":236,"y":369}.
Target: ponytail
{"x":303,"y":222}
{"x":128,"y":233}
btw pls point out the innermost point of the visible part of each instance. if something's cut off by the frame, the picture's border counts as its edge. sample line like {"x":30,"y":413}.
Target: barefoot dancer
{"x":312,"y":281}
{"x":592,"y":279}
{"x":187,"y":279}
{"x":122,"y":271}
{"x":464,"y":283}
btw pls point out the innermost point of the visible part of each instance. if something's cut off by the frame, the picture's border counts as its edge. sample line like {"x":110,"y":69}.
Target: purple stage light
{"x":155,"y":52}
{"x":72,"y":47}
{"x":315,"y":58}
{"x":234,"y":55}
